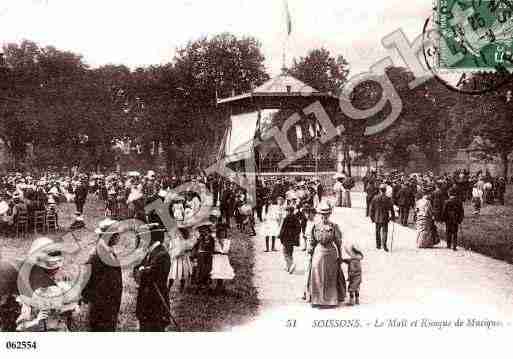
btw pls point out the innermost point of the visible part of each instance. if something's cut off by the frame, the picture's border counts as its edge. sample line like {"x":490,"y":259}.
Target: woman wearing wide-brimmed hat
{"x":48,"y":302}
{"x":104,"y":289}
{"x":327,"y":283}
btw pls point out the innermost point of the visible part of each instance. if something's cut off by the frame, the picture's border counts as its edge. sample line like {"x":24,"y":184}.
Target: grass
{"x":491,"y":232}
{"x":193,"y":312}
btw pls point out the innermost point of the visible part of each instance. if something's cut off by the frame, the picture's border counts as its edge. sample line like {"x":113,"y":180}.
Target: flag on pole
{"x":288,"y":18}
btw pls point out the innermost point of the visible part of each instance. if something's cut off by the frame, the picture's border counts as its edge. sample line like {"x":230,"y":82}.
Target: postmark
{"x":468,"y":44}
{"x":475,"y":34}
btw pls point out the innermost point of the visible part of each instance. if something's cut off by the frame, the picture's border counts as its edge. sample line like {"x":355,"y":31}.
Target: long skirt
{"x":181,"y":268}
{"x":327,"y":282}
{"x":427,"y":235}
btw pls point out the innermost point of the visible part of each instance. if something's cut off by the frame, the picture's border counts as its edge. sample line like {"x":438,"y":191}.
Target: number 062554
{"x":21,"y":345}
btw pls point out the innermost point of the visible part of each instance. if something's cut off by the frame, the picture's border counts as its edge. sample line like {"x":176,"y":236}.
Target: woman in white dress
{"x":180,"y":250}
{"x":273,"y":219}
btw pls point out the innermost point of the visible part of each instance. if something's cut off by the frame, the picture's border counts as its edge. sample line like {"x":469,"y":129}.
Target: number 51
{"x":291,"y":323}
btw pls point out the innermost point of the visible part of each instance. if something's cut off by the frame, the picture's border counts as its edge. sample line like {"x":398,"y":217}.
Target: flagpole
{"x":288,"y":20}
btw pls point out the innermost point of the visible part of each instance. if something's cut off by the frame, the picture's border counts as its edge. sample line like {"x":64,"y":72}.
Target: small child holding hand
{"x":354,"y":270}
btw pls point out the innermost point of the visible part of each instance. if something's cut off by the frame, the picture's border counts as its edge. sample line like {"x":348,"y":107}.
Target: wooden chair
{"x":39,"y":220}
{"x":52,"y":224}
{"x":21,"y":225}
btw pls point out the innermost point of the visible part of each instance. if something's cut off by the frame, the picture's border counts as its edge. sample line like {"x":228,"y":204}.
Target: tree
{"x":494,"y":126}
{"x":20,"y":81}
{"x":208,"y":69}
{"x":483,"y":122}
{"x":321,"y":70}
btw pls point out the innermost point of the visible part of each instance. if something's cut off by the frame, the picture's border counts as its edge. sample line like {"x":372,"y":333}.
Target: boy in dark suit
{"x":203,"y":252}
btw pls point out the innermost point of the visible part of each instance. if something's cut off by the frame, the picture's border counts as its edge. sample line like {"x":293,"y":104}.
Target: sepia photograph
{"x":237,"y":166}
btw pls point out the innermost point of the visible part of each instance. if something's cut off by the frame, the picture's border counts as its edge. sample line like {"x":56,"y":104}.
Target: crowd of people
{"x":294,"y":211}
{"x":431,"y":199}
{"x":22,"y":196}
{"x":190,"y":254}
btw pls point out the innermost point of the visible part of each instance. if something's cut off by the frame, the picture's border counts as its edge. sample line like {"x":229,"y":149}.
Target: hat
{"x":151,"y":174}
{"x":42,"y":253}
{"x":204,"y":225}
{"x":162,"y":193}
{"x":108,"y":226}
{"x":338,"y":175}
{"x":427,"y":189}
{"x":324,"y":208}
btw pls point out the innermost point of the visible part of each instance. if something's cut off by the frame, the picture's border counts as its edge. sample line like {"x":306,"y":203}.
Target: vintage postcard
{"x":261,"y":169}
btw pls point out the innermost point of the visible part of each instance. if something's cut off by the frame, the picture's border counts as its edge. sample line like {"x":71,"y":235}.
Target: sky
{"x":140,"y":33}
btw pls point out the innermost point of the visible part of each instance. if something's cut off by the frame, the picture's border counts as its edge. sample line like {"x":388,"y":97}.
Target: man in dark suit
{"x":381,"y":212}
{"x":81,"y":194}
{"x":371,"y":191}
{"x":438,"y":200}
{"x":452,"y":215}
{"x":404,"y":202}
{"x":227,"y":203}
{"x":105,"y":286}
{"x":289,"y":236}
{"x":152,"y":309}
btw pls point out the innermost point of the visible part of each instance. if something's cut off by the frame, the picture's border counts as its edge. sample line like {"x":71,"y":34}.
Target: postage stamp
{"x":475,"y":34}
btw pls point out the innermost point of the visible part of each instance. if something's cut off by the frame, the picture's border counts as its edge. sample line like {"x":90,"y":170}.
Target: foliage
{"x":52,"y":100}
{"x":321,"y":70}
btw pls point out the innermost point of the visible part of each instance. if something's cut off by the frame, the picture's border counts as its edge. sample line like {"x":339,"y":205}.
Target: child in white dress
{"x":180,"y":250}
{"x":273,"y":219}
{"x":222,"y":270}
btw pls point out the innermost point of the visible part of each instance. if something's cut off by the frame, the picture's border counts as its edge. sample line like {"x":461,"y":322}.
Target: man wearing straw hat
{"x":105,"y":286}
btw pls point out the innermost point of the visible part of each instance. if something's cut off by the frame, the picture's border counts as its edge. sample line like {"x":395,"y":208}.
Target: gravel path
{"x":436,"y":284}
